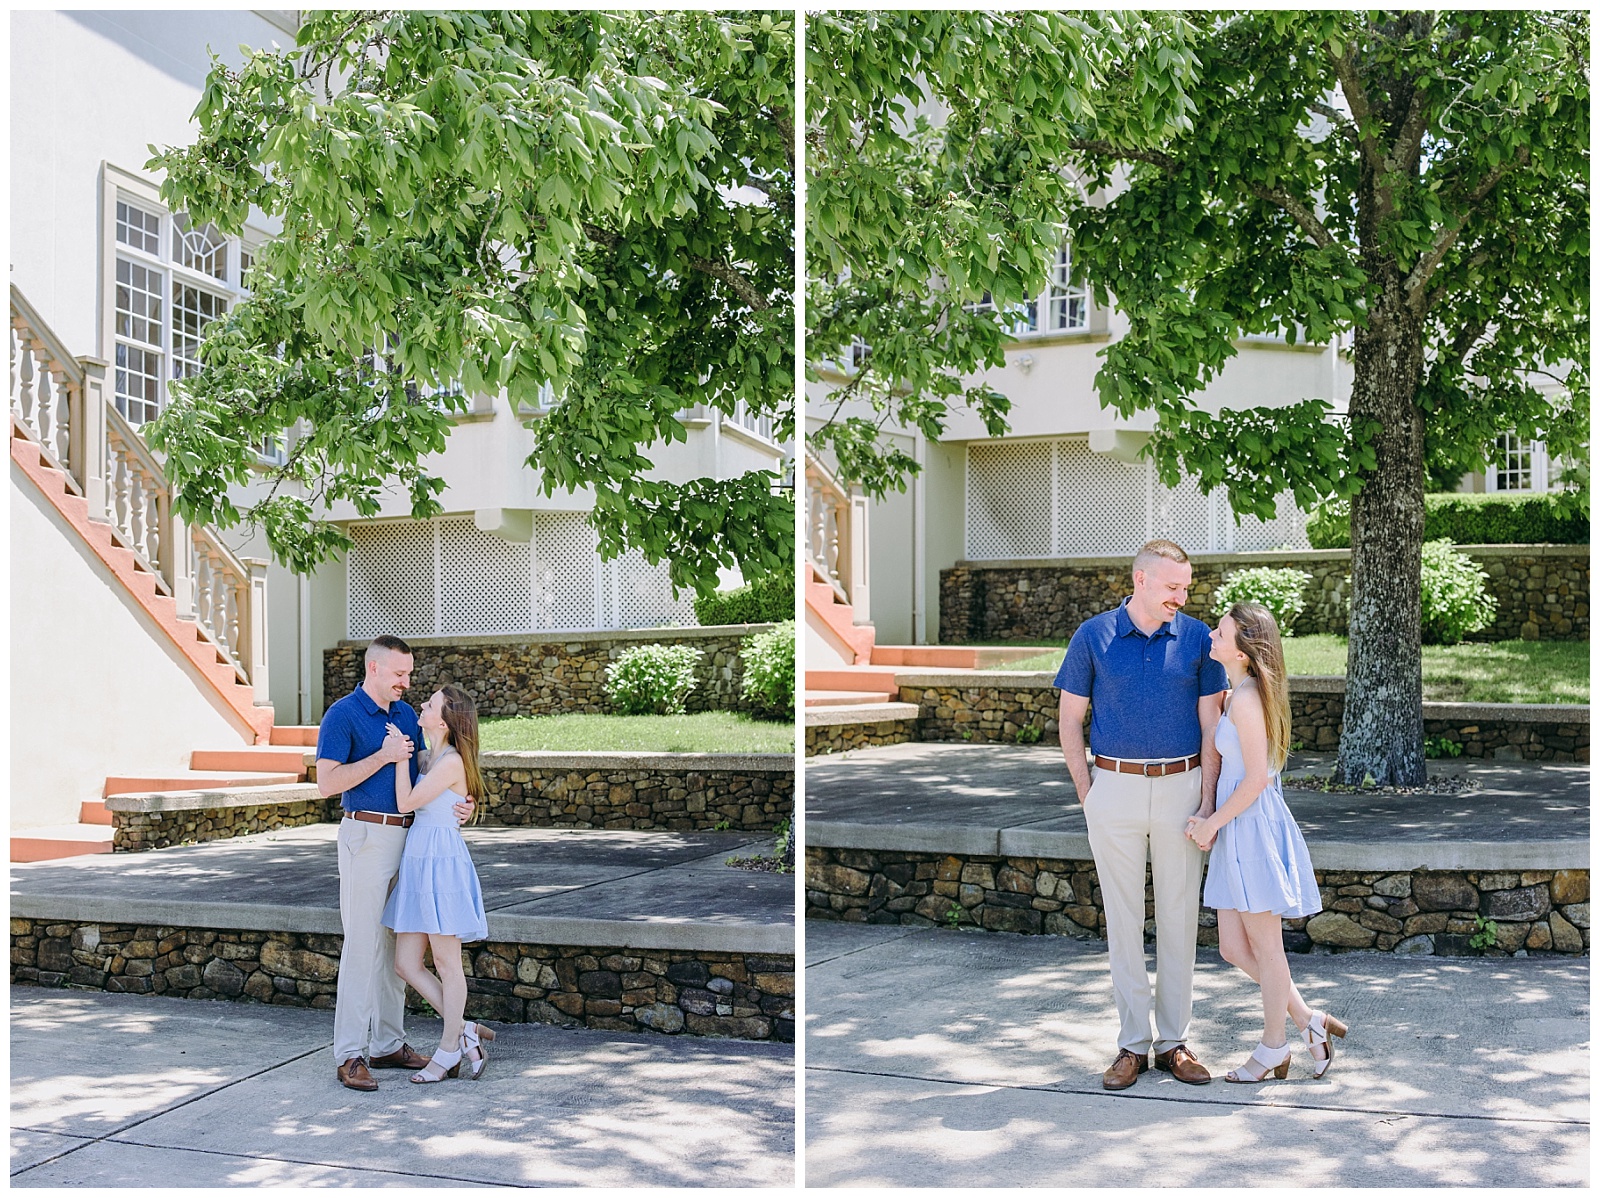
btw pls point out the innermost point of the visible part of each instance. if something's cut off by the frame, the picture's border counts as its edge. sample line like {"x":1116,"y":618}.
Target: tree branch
{"x":1105,"y":148}
{"x":742,"y":287}
{"x":1407,"y":146}
{"x":1341,"y":123}
{"x":1446,"y":237}
{"x":1303,"y":216}
{"x":1355,"y":95}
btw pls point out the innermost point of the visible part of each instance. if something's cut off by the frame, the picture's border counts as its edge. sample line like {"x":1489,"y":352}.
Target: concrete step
{"x":872,"y":679}
{"x":285,"y":759}
{"x":843,"y":698}
{"x":196,"y":780}
{"x":957,"y":657}
{"x":60,"y":840}
{"x":295,"y":734}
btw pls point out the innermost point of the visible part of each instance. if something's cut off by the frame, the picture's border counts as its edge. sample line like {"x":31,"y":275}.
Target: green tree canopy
{"x":598,"y":206}
{"x":1416,"y":182}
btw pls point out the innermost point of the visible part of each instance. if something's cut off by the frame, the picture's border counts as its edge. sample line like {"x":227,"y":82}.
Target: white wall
{"x":88,"y":86}
{"x":96,"y":688}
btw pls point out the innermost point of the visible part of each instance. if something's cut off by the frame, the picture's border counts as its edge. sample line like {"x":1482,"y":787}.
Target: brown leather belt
{"x":1148,"y":769}
{"x":378,"y":817}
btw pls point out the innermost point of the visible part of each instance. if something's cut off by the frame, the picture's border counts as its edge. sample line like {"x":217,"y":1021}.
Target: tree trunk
{"x":1382,"y":735}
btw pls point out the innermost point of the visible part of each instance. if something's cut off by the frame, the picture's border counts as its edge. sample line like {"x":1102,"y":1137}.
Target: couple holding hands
{"x":1190,"y":729}
{"x":406,"y":880}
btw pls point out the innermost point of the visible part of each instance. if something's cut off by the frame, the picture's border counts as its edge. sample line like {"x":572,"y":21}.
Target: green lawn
{"x":702,"y":732}
{"x":1494,"y":672}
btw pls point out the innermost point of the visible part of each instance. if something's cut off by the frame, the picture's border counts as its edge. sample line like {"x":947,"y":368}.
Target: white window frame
{"x":138,"y":193}
{"x":1538,"y":471}
{"x":1036,"y":317}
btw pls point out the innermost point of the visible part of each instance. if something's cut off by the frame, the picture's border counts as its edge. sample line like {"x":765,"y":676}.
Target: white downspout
{"x":919,"y":546}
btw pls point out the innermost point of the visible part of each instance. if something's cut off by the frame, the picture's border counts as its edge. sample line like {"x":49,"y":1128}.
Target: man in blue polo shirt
{"x":1145,"y":668}
{"x":357,"y":757}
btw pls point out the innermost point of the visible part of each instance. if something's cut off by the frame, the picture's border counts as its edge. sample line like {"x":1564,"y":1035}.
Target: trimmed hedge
{"x":767,"y":600}
{"x":1549,"y":518}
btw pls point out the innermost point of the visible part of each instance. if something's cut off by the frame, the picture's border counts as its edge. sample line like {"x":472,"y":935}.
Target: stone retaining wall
{"x":824,"y":738}
{"x":677,"y":792}
{"x":1541,"y":592}
{"x":739,"y":995}
{"x":1421,"y":912}
{"x":1511,"y":731}
{"x":644,"y":791}
{"x":994,"y":708}
{"x":549,"y":673}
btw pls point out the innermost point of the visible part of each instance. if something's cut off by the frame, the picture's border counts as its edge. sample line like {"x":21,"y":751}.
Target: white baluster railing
{"x":836,"y":537}
{"x":59,"y":402}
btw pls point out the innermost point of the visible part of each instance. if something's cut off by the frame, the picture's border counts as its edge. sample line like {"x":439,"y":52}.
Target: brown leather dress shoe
{"x":1125,"y":1070}
{"x":404,"y":1057}
{"x":1181,"y":1063}
{"x":353,"y":1074}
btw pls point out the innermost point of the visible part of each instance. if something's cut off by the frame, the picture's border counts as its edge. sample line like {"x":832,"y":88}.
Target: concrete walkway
{"x":938,"y":1058}
{"x":122,"y":1090}
{"x":540,"y":885}
{"x":1019,"y":800}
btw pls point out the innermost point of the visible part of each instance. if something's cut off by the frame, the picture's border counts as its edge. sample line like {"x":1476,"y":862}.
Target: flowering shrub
{"x":652,"y":679}
{"x":1282,"y":592}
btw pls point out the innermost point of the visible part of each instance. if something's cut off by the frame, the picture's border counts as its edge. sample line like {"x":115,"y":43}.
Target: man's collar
{"x":1126,"y":626}
{"x":369,"y":702}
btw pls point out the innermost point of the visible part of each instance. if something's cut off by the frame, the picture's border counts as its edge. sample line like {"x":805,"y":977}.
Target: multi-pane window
{"x":1065,"y":307}
{"x":172,"y":281}
{"x":1068,"y":306}
{"x":1513,"y":463}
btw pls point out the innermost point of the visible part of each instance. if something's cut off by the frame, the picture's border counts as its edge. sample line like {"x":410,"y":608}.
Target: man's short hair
{"x":1150,"y":550}
{"x":392,"y":643}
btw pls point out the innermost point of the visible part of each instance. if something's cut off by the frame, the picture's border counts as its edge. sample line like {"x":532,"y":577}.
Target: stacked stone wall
{"x":137,"y":831}
{"x":550,"y":674}
{"x":1419,"y":912}
{"x":740,"y":995}
{"x":996,"y":713}
{"x":1541,"y":592}
{"x":839,"y":738}
{"x":600,"y":796}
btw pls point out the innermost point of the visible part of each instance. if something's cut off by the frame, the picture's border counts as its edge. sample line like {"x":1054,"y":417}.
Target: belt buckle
{"x":1154,"y":769}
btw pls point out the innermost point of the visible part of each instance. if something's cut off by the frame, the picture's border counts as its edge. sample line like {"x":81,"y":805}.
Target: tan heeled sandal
{"x":1265,"y":1061}
{"x":1315,"y":1034}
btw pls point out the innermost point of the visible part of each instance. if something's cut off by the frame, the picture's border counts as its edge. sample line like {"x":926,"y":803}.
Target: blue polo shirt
{"x":354,"y":728}
{"x":1144,"y":691}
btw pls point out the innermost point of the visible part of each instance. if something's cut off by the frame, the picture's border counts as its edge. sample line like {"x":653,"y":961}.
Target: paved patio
{"x":540,"y":885}
{"x":1019,"y":800}
{"x":942,"y":1058}
{"x":210,"y":1094}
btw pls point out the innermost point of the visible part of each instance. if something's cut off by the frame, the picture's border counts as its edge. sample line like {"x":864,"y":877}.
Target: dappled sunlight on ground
{"x":941,"y":1058}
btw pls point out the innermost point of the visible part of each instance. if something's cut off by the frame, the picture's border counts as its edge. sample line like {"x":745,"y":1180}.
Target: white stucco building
{"x":117,"y":279}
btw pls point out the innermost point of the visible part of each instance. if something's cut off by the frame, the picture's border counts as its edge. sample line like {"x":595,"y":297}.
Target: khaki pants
{"x":369,"y":1008}
{"x":1130,"y":815}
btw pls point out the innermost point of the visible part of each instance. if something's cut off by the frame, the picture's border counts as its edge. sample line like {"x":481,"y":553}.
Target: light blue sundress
{"x":437,"y":888}
{"x":1259,"y":861}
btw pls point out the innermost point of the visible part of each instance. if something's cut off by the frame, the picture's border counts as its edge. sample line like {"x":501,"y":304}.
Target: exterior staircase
{"x":95,"y":470}
{"x":279,"y":762}
{"x":836,"y":590}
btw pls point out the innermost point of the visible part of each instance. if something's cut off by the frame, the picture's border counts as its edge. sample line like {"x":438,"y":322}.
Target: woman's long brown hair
{"x":460,"y":716}
{"x":1256,"y":632}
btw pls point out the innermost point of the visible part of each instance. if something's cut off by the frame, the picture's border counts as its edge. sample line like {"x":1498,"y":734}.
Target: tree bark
{"x":1382,"y":735}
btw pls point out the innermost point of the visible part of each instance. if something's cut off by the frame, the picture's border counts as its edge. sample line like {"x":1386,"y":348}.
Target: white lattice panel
{"x":643,"y":594}
{"x":391,"y":575}
{"x":1102,"y":503}
{"x":1183,"y":514}
{"x":483,"y":582}
{"x":1008,"y":500}
{"x":1286,"y":531}
{"x":564,"y":566}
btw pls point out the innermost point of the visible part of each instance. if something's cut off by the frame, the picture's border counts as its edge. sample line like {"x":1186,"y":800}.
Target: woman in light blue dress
{"x":1260,"y":872}
{"x":436,"y":899}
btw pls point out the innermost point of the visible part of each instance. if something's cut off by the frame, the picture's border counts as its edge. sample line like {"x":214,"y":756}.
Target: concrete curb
{"x":222,"y":796}
{"x":578,"y":637}
{"x":862,"y":713}
{"x":508,"y":929}
{"x":666,"y":762}
{"x":963,"y":840}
